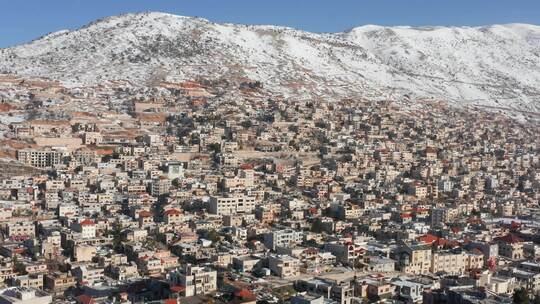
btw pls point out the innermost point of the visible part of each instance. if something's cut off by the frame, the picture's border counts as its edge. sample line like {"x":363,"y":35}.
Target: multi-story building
{"x":88,"y":274}
{"x":83,"y":252}
{"x":29,"y":281}
{"x":231,"y":205}
{"x":511,"y":247}
{"x":347,"y":252}
{"x":342,"y":292}
{"x":414,"y":258}
{"x":123,"y":272}
{"x":24,"y":295}
{"x":347,"y":211}
{"x":490,"y":251}
{"x":195,"y":280}
{"x":505,"y":209}
{"x":160,"y":186}
{"x":284,"y":266}
{"x":449,"y":263}
{"x":45,"y":158}
{"x":86,"y":227}
{"x":283,"y":238}
{"x":21,"y":229}
{"x":441,"y":216}
{"x":173,"y":216}
{"x":58,"y":281}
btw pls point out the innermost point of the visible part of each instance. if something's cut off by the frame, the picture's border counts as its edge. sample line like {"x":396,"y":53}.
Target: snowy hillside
{"x":496,"y":66}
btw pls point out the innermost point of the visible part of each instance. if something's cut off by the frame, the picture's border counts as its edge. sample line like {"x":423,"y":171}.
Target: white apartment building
{"x":39,"y":158}
{"x":196,"y":280}
{"x":449,"y":263}
{"x":88,"y":274}
{"x":26,"y":229}
{"x":284,"y":266}
{"x":283,"y":238}
{"x":231,"y":205}
{"x":86,"y":227}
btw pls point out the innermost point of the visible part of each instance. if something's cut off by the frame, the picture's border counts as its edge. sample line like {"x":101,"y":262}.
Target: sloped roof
{"x":510,"y":239}
{"x":172,"y":212}
{"x":87,"y":222}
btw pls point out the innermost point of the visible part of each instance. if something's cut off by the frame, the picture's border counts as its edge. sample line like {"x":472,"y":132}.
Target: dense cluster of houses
{"x":258,"y":199}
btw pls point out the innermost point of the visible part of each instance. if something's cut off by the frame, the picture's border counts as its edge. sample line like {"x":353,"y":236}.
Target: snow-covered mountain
{"x":495,"y":65}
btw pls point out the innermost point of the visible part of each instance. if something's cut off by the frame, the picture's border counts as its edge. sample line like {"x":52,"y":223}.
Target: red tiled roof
{"x":443,"y":242}
{"x":474,"y":221}
{"x":427,"y":238}
{"x":477,"y":251}
{"x":87,"y":222}
{"x":515,"y":225}
{"x":172,"y":212}
{"x":145,"y":213}
{"x":244,"y":294}
{"x":311,"y":250}
{"x":510,"y":239}
{"x":178,"y":288}
{"x":85,"y":299}
{"x":246,"y":166}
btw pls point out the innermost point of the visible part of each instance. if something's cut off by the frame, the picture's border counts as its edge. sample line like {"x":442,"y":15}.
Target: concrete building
{"x":449,"y":263}
{"x":339,"y":291}
{"x":380,"y":264}
{"x":284,"y":266}
{"x":86,"y":227}
{"x":283,"y":238}
{"x":45,"y":158}
{"x":347,"y":252}
{"x":414,"y":258}
{"x":231,"y":205}
{"x":88,"y":274}
{"x":160,"y":186}
{"x":511,"y":247}
{"x":196,"y":280}
{"x":29,"y":281}
{"x":23,"y":295}
{"x":307,"y":299}
{"x":245,"y":263}
{"x":410,"y":291}
{"x":83,"y":252}
{"x":21,"y":229}
{"x":58,"y":281}
{"x":441,"y":216}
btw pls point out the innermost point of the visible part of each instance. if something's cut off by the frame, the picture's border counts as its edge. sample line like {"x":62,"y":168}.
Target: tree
{"x":311,"y":243}
{"x":19,"y":266}
{"x":213,"y":236}
{"x":246,"y":124}
{"x":117,"y":236}
{"x":521,"y":296}
{"x":195,"y":140}
{"x":214,"y":147}
{"x":317,"y":226}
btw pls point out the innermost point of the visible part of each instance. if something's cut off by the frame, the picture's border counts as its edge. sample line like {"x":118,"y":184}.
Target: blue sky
{"x":24,"y":20}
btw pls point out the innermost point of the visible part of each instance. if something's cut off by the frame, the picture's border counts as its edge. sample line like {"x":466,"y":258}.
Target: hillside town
{"x":217,"y":192}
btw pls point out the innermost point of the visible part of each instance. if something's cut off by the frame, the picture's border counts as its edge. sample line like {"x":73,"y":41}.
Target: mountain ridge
{"x":496,"y":65}
{"x":369,"y":25}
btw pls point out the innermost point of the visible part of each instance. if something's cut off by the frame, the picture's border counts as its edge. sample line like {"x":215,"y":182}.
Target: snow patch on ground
{"x":495,"y":65}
